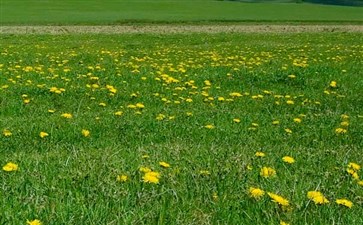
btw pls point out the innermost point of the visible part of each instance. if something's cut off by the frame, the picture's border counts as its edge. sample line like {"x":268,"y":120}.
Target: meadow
{"x":181,"y":129}
{"x":91,"y":12}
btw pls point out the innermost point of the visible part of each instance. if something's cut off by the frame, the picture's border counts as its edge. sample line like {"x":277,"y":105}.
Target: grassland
{"x":84,"y":117}
{"x":93,"y":12}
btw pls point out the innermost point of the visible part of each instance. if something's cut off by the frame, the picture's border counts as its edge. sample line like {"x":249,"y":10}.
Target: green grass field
{"x":150,"y":129}
{"x":163,"y":11}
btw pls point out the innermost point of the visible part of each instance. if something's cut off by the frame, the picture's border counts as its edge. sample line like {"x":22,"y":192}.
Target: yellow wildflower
{"x":288,"y":159}
{"x":140,"y":105}
{"x":145,"y":169}
{"x":43,"y":134}
{"x":34,"y":222}
{"x":317,"y":197}
{"x":275,"y":122}
{"x":340,"y":130}
{"x":278,"y":199}
{"x":118,"y":113}
{"x":333,"y":84}
{"x":151,"y":177}
{"x":267,"y":172}
{"x":260,"y":154}
{"x":209,"y":126}
{"x":290,"y":102}
{"x":67,"y":115}
{"x":164,"y":164}
{"x":354,"y":166}
{"x":297,"y":120}
{"x":256,"y":192}
{"x":236,"y":120}
{"x":7,"y":133}
{"x":344,"y":202}
{"x":131,"y":106}
{"x":288,"y":131}
{"x":85,"y":132}
{"x":235,"y":94}
{"x":10,"y":167}
{"x":122,"y":178}
{"x":360,"y":183}
{"x":283,"y":223}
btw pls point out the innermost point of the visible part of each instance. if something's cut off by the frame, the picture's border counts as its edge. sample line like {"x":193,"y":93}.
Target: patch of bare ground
{"x":177,"y":29}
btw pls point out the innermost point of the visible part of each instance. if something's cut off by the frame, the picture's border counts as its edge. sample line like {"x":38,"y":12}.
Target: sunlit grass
{"x":184,"y":129}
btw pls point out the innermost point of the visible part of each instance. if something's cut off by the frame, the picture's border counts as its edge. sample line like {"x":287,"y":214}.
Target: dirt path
{"x":172,"y":29}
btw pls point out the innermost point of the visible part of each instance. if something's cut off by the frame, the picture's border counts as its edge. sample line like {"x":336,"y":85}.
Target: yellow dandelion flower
{"x":344,"y":116}
{"x":43,"y":134}
{"x":278,"y":199}
{"x":209,"y":126}
{"x":122,"y":178}
{"x":267,"y":172}
{"x":260,"y":154}
{"x":189,"y":114}
{"x":7,"y":133}
{"x":236,"y":120}
{"x":66,"y":115}
{"x":34,"y":222}
{"x":275,"y":122}
{"x":288,"y":131}
{"x":256,"y":193}
{"x":235,"y":94}
{"x":221,"y":99}
{"x":85,"y":132}
{"x":297,"y":120}
{"x":10,"y":167}
{"x":118,"y":113}
{"x":283,"y":223}
{"x":360,"y":183}
{"x":164,"y":164}
{"x":344,"y":124}
{"x":131,"y":106}
{"x":290,"y":102}
{"x":354,"y":166}
{"x":145,"y":169}
{"x":288,"y":159}
{"x":333,"y":84}
{"x":151,"y":177}
{"x":140,"y":105}
{"x":340,"y":130}
{"x":344,"y":202}
{"x":102,"y":104}
{"x":292,"y":76}
{"x":317,"y":197}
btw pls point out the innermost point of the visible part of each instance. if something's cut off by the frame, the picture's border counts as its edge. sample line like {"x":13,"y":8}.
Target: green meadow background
{"x":163,"y":11}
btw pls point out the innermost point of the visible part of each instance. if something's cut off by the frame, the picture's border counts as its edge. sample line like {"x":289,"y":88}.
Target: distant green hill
{"x":92,"y":12}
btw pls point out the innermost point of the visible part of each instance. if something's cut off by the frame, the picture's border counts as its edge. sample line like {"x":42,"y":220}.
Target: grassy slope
{"x":111,"y":11}
{"x":69,"y":179}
